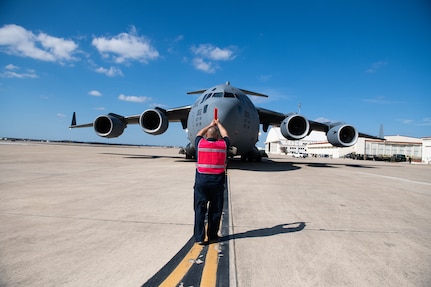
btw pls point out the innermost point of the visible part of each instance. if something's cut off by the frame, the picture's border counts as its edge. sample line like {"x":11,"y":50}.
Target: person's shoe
{"x":214,"y":239}
{"x":201,"y":242}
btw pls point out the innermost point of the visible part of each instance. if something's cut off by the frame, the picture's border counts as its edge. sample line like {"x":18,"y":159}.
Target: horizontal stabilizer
{"x":253,"y":93}
{"x":242,"y":90}
{"x":196,"y":92}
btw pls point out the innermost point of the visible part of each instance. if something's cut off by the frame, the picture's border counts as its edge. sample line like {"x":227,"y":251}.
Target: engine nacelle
{"x":294,"y":127}
{"x":154,"y":121}
{"x":109,"y":126}
{"x":342,"y":135}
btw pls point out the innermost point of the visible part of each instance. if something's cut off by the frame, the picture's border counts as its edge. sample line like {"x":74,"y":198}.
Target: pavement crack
{"x":353,"y":231}
{"x":94,"y":219}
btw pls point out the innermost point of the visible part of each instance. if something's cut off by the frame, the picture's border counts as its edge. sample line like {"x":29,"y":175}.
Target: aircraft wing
{"x":268,"y":117}
{"x":153,"y":121}
{"x":294,"y":127}
{"x":272,"y":118}
{"x":179,"y":114}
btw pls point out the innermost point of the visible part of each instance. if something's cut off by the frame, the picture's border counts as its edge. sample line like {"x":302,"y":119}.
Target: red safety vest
{"x":211,"y":156}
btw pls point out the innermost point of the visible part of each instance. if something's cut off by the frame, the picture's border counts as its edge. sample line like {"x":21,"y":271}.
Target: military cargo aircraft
{"x":238,"y":115}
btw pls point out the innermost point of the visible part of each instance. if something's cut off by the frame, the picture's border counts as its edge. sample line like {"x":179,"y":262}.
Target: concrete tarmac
{"x":94,"y":215}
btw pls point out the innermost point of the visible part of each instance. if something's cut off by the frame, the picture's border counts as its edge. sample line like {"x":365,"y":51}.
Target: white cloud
{"x":206,"y":55}
{"x":16,"y":40}
{"x":179,"y":38}
{"x":381,"y":100}
{"x":95,"y":93}
{"x":61,"y":115}
{"x":265,"y":78}
{"x":210,"y":52}
{"x":376,"y":66}
{"x":58,"y":47}
{"x":201,"y":65}
{"x":12,"y":71}
{"x":174,"y":42}
{"x":406,"y":121}
{"x":11,"y":67}
{"x":10,"y":74}
{"x":111,"y":72}
{"x":156,"y":105}
{"x":323,"y":120}
{"x":425,"y":122}
{"x":126,"y":47}
{"x":134,"y":99}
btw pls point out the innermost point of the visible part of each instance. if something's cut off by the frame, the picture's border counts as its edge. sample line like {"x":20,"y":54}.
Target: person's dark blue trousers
{"x":208,"y":196}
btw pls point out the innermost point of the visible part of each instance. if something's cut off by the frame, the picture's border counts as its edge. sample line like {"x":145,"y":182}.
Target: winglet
{"x":74,"y":125}
{"x":73,"y":120}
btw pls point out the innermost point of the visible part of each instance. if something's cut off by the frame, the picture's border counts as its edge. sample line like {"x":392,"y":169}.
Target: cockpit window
{"x":218,"y":95}
{"x":229,"y":95}
{"x":205,"y":97}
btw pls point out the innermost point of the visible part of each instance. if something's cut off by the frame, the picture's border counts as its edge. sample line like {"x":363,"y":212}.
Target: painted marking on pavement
{"x":198,"y":265}
{"x":175,"y":277}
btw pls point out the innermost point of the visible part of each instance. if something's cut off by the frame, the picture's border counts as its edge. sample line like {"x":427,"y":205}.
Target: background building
{"x":426,"y":150}
{"x":316,"y":144}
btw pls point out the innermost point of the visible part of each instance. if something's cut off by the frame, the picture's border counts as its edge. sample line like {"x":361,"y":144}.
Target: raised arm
{"x":222,"y":130}
{"x":204,"y":130}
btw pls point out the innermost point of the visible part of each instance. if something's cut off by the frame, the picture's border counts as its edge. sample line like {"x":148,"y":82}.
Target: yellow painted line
{"x":181,"y":270}
{"x":209,"y":274}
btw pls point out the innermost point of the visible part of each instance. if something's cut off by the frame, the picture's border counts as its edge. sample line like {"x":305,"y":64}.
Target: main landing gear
{"x":254,"y":156}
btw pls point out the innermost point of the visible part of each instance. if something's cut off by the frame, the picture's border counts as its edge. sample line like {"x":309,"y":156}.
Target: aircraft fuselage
{"x":235,"y":111}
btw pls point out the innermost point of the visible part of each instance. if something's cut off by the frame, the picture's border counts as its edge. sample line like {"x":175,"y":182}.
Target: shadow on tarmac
{"x":265,"y":165}
{"x":264,"y":232}
{"x":335,"y":165}
{"x":141,"y":156}
{"x":268,"y":165}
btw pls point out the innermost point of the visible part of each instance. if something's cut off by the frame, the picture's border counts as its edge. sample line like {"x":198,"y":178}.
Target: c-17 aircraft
{"x":238,"y":115}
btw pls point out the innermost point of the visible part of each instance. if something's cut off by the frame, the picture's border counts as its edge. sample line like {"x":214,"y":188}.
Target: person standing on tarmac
{"x":210,"y":178}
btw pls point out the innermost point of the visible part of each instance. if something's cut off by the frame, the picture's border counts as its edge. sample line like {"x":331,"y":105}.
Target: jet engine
{"x":109,"y":126}
{"x":342,"y":135}
{"x":154,"y":121}
{"x":294,"y":127}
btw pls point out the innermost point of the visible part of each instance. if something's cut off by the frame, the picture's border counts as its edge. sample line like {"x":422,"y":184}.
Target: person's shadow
{"x":269,"y":231}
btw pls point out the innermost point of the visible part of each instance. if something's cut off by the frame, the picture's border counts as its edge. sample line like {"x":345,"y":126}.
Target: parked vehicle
{"x":299,"y":155}
{"x":398,"y":157}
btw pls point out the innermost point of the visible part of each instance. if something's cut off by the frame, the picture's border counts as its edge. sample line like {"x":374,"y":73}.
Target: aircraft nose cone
{"x":225,"y":113}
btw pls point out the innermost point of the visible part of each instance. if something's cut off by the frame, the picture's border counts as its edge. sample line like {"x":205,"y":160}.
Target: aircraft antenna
{"x":299,"y":108}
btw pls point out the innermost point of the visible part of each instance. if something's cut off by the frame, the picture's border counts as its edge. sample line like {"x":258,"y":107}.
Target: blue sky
{"x":366,"y":63}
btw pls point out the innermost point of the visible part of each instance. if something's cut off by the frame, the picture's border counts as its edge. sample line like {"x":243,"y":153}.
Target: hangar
{"x":316,"y":144}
